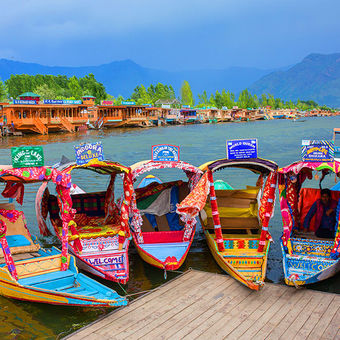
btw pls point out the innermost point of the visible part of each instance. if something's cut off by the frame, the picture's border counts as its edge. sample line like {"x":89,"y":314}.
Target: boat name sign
{"x":242,"y":148}
{"x":87,"y":151}
{"x":165,"y":153}
{"x":317,"y":151}
{"x":27,"y":156}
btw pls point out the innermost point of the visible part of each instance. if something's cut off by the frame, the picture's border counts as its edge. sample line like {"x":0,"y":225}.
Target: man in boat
{"x":324,"y":210}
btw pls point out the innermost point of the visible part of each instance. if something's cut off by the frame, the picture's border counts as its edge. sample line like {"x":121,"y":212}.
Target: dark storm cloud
{"x":168,"y":34}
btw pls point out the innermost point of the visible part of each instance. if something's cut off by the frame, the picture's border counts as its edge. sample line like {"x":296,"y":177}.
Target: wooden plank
{"x":180,"y":301}
{"x":325,"y":319}
{"x":257,"y":314}
{"x":314,"y":316}
{"x":207,"y":305}
{"x":287,"y":299}
{"x":298,"y":297}
{"x":203,"y":314}
{"x":293,"y":321}
{"x":188,"y":277}
{"x":332,"y":331}
{"x":228,"y":322}
{"x":208,"y":321}
{"x":155,"y":308}
{"x":183,"y":317}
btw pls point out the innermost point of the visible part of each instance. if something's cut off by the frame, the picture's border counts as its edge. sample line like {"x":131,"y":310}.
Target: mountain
{"x":121,"y":77}
{"x":316,"y":77}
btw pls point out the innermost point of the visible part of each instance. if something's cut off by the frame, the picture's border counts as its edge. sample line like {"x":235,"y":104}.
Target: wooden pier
{"x":214,"y":306}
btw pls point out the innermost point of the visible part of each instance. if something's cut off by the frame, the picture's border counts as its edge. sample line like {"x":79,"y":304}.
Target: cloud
{"x":169,"y":34}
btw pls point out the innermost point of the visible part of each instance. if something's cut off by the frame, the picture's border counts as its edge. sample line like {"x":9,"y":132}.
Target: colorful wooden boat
{"x":235,"y":222}
{"x":162,"y":239}
{"x":99,"y":236}
{"x":30,"y":273}
{"x":306,"y":258}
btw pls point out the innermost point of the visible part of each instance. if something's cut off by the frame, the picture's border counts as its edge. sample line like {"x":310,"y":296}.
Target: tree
{"x":3,"y":92}
{"x":186,"y":94}
{"x":45,"y":92}
{"x":203,"y":99}
{"x":75,"y":88}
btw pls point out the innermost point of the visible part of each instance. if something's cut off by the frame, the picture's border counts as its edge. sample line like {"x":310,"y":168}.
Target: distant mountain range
{"x":316,"y":77}
{"x":121,"y":77}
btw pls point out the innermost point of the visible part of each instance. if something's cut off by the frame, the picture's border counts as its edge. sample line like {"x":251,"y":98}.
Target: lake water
{"x":279,"y":140}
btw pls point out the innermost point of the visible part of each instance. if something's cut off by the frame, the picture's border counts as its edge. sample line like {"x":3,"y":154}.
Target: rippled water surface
{"x":279,"y":140}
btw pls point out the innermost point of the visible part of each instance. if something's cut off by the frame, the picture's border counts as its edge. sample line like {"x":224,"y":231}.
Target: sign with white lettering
{"x":317,"y":151}
{"x":165,"y":153}
{"x":87,"y":151}
{"x":242,"y":148}
{"x":27,"y":156}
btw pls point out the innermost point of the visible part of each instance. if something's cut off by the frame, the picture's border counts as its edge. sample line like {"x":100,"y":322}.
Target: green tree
{"x":45,"y":92}
{"x":75,"y":88}
{"x":203,"y":99}
{"x":3,"y":91}
{"x":186,"y":94}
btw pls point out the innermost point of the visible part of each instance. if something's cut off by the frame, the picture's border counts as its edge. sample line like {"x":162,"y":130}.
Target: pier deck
{"x":214,"y":306}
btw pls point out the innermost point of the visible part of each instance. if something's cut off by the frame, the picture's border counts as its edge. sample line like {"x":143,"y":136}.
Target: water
{"x":279,"y":140}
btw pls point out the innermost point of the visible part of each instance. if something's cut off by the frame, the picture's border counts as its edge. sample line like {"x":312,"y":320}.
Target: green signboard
{"x":27,"y":156}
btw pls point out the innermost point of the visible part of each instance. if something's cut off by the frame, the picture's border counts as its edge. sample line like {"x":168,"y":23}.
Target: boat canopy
{"x":101,"y":167}
{"x":257,"y":165}
{"x":193,"y":173}
{"x":290,"y":182}
{"x":297,"y":167}
{"x":148,"y":165}
{"x":17,"y":177}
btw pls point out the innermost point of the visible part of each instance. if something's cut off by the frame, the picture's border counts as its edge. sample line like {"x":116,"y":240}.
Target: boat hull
{"x":226,"y":259}
{"x":171,"y":262}
{"x":96,"y":264}
{"x":303,"y":268}
{"x":47,"y":287}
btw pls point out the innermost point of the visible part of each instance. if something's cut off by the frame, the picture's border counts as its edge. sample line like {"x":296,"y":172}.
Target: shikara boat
{"x":306,"y":257}
{"x":31,"y":273}
{"x":99,"y":236}
{"x":235,"y":222}
{"x":162,"y":239}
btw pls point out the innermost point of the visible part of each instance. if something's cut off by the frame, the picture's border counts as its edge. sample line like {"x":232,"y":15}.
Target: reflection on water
{"x":278,"y":140}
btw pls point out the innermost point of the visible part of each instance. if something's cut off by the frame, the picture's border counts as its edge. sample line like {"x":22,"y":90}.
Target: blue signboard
{"x":124,"y":102}
{"x":24,"y":102}
{"x":62,"y":101}
{"x":317,"y":151}
{"x":186,"y":106}
{"x":165,"y":153}
{"x":87,"y":151}
{"x":242,"y":148}
{"x":147,"y":105}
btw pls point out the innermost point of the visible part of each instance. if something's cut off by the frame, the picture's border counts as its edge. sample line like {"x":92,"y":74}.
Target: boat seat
{"x":38,"y":266}
{"x":238,"y":209}
{"x":46,"y":277}
{"x":18,"y":237}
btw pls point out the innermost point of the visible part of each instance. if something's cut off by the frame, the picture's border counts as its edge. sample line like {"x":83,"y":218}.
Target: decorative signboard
{"x":87,"y":151}
{"x":242,"y":148}
{"x":24,"y":102}
{"x":147,"y":105}
{"x":107,"y":102}
{"x":62,"y":101}
{"x":317,"y":151}
{"x":166,"y":106}
{"x":165,"y":153}
{"x":186,"y":106}
{"x":27,"y":156}
{"x":124,"y":102}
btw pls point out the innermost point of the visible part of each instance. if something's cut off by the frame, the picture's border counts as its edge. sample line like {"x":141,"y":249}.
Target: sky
{"x":169,"y":34}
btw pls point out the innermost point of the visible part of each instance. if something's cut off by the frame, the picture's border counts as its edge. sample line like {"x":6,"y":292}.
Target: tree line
{"x":63,"y":87}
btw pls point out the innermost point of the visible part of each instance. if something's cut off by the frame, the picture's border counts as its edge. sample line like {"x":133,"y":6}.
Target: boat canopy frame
{"x":290,"y":180}
{"x":15,"y":178}
{"x":193,"y":173}
{"x":195,"y":202}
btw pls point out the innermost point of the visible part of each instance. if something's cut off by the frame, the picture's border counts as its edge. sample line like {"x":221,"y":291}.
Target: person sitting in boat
{"x":324,"y":210}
